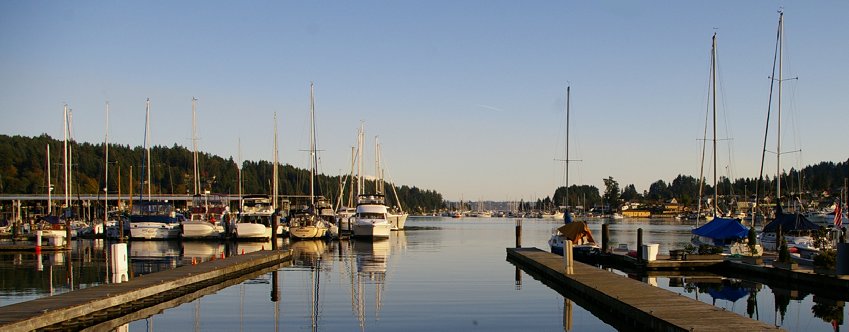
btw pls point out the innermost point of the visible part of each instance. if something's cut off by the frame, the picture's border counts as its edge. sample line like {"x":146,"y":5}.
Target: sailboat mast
{"x":70,"y":155}
{"x":195,"y":145}
{"x":360,"y":182}
{"x":713,"y":87}
{"x":313,"y":158}
{"x":65,"y":158}
{"x":377,"y":188}
{"x":239,"y":168}
{"x":780,"y":79}
{"x":566,"y":201}
{"x":49,"y":185}
{"x":275,"y":174}
{"x":106,"y":168}
{"x":147,"y":144}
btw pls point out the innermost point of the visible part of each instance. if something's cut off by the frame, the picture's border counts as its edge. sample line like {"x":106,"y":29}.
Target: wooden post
{"x":568,"y":256}
{"x":518,"y":233}
{"x":605,"y":238}
{"x":639,"y":245}
{"x":275,"y":289}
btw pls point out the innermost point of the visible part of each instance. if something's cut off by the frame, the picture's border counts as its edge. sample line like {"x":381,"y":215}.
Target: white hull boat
{"x":154,"y":230}
{"x":199,"y":229}
{"x":397,"y":220}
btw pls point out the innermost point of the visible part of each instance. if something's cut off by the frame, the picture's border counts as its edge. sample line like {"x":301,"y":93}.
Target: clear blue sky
{"x":466,"y":96}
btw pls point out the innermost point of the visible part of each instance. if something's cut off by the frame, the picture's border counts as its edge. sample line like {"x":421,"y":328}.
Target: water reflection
{"x":154,"y":256}
{"x":372,"y":259}
{"x":748,"y":298}
{"x":453,"y":270}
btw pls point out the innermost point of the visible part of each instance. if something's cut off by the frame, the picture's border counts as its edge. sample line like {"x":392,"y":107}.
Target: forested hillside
{"x":23,"y":169}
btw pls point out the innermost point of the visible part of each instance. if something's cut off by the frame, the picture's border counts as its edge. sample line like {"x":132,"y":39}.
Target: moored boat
{"x":576,"y":231}
{"x":254,"y":221}
{"x":371,"y":218}
{"x":151,"y":220}
{"x":207,"y":218}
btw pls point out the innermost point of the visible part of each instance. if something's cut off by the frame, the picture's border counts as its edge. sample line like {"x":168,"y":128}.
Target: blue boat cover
{"x":50,"y":219}
{"x":728,"y":293}
{"x":722,"y":228}
{"x":789,"y":222}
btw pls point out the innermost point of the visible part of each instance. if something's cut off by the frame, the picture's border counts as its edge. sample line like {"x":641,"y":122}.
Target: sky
{"x":467,"y":97}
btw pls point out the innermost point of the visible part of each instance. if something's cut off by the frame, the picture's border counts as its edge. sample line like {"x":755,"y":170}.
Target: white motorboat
{"x":371,"y":218}
{"x":255,"y":220}
{"x":207,"y":218}
{"x":154,"y":221}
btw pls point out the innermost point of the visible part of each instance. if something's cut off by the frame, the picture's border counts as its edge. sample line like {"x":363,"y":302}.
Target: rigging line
{"x":768,"y":112}
{"x":728,"y":130}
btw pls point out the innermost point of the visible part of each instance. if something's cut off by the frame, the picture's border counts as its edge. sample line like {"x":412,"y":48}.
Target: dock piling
{"x":568,"y":256}
{"x":639,"y":245}
{"x":518,"y":233}
{"x":38,"y":235}
{"x":605,"y":237}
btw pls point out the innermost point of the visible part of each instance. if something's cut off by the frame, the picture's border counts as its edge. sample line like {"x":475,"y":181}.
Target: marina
{"x":454,"y":270}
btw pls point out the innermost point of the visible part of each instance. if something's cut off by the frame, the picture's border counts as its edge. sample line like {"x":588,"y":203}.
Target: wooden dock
{"x":625,"y":303}
{"x":106,"y":302}
{"x":27,"y":247}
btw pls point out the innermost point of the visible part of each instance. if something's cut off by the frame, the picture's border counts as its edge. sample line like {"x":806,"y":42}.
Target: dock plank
{"x":651,"y":307}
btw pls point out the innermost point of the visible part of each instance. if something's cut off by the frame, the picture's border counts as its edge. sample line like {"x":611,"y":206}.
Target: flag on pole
{"x":838,"y":216}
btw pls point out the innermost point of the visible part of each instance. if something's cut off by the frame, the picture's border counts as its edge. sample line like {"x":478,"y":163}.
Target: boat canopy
{"x":576,"y":230}
{"x":722,"y":228}
{"x":789,"y":222}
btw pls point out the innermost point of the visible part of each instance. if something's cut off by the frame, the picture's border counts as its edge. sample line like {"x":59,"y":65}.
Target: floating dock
{"x":625,"y":303}
{"x":94,"y":305}
{"x":27,"y":247}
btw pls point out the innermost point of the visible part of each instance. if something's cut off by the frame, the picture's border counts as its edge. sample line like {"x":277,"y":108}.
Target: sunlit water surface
{"x":440,"y":274}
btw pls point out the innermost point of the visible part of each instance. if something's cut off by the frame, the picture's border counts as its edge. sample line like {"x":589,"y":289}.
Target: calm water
{"x":441,"y":274}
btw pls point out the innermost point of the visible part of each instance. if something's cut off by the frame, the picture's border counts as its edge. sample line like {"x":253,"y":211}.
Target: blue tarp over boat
{"x":789,"y":222}
{"x":722,"y":229}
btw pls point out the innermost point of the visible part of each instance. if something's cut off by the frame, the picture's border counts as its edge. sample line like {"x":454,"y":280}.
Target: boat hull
{"x":372,"y":229}
{"x":154,"y":231}
{"x":249,"y":231}
{"x":397,"y":221}
{"x":307,"y":232}
{"x":202,"y":230}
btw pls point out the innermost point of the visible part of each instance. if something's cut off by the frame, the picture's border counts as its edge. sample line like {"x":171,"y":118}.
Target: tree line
{"x":825,"y":179}
{"x":24,"y":170}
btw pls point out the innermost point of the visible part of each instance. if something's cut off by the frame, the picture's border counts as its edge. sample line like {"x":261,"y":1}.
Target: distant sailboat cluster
{"x":213,"y":216}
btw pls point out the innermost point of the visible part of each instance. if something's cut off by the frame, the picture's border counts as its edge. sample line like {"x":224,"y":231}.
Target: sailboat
{"x":208,"y":212}
{"x":53,"y":230}
{"x":396,"y":215}
{"x":797,"y":229}
{"x":576,"y":231}
{"x":728,"y":233}
{"x":254,"y":222}
{"x":306,"y":224}
{"x":150,"y":220}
